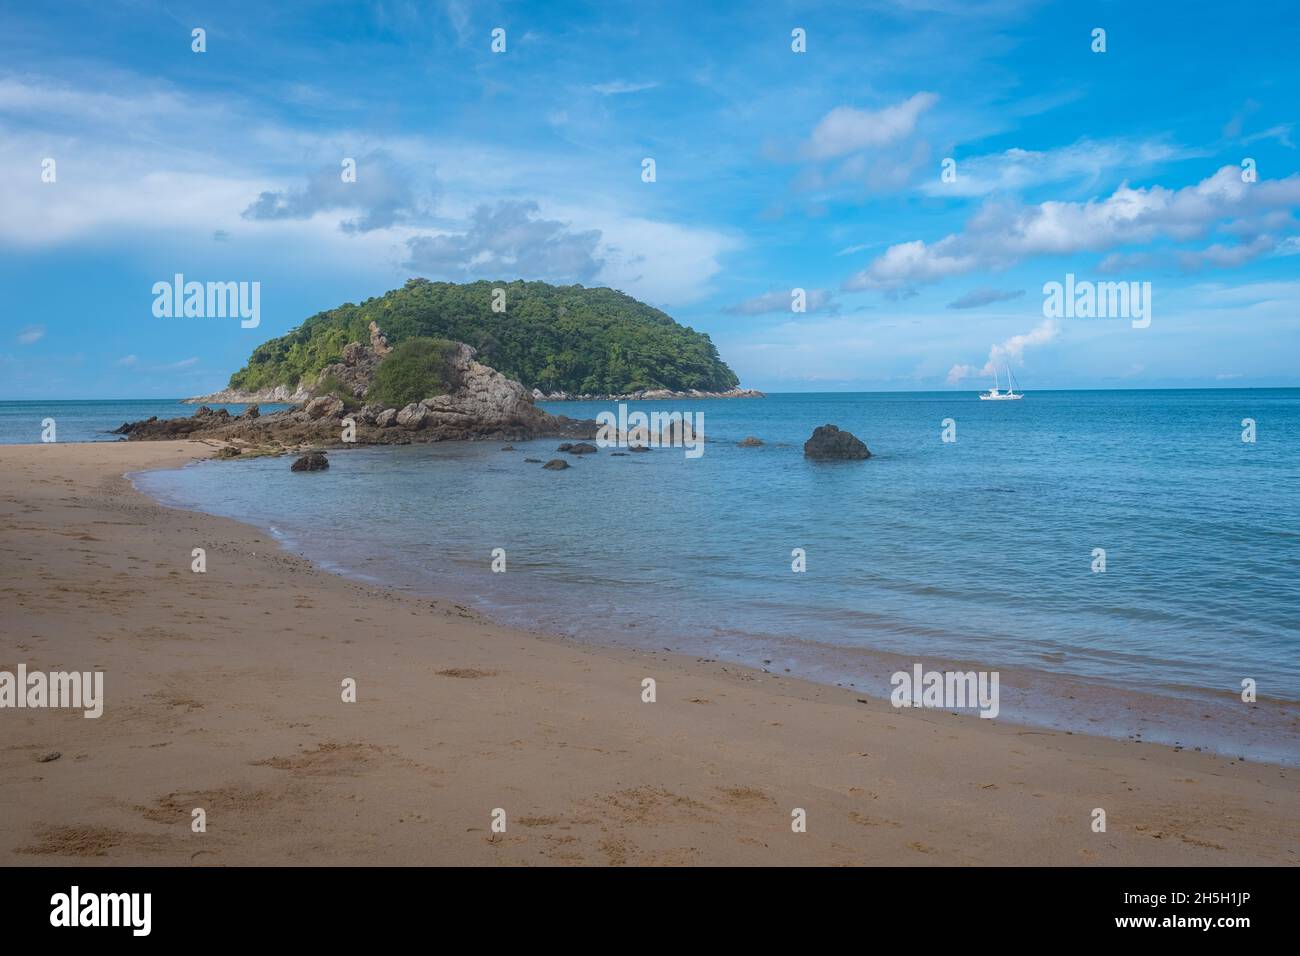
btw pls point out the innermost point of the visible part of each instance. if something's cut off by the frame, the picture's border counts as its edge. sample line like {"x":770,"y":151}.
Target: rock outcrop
{"x":316,"y":461}
{"x":828,"y":443}
{"x":357,"y":370}
{"x":279,"y":395}
{"x":202,"y":422}
{"x":482,"y":404}
{"x":378,"y":341}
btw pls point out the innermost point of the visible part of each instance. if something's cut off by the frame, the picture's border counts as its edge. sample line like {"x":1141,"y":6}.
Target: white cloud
{"x":663,"y":263}
{"x":978,"y":297}
{"x":1009,"y":352}
{"x":180,"y":366}
{"x":846,"y":130}
{"x":1281,"y":133}
{"x":999,"y":235}
{"x":30,"y":335}
{"x":508,"y":240}
{"x":172,"y":189}
{"x":383,"y":192}
{"x":1017,"y":169}
{"x":780,"y":300}
{"x":618,"y":87}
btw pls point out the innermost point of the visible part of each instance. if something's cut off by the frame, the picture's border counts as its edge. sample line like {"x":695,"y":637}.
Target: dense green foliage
{"x":416,"y":369}
{"x":556,"y":338}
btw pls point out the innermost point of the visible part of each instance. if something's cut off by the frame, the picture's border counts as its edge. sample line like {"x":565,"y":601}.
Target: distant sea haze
{"x":983,"y":549}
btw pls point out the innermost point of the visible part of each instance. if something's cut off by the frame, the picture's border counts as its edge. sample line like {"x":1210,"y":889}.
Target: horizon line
{"x":898,"y":391}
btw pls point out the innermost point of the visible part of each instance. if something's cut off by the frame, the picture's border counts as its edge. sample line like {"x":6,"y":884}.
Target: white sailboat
{"x":993,"y":395}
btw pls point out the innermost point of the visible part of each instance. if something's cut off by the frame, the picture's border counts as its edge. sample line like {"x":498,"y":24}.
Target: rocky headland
{"x":480,"y":403}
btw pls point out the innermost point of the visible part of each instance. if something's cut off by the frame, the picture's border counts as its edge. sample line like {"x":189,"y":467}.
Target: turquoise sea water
{"x":22,"y":422}
{"x":975,"y":551}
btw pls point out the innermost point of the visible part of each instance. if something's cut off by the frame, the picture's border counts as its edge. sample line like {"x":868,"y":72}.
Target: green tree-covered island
{"x":567,"y":339}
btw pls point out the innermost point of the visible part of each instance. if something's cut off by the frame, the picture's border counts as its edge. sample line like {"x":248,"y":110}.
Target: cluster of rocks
{"x":647,"y":394}
{"x":202,"y":422}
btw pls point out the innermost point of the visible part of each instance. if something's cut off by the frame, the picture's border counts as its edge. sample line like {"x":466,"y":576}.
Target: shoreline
{"x":223,"y":693}
{"x":1190,"y":717}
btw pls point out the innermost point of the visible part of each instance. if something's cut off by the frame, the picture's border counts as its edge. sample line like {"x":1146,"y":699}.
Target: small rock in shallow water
{"x":828,"y":443}
{"x":579,"y":448}
{"x":532,"y":461}
{"x":750,"y":442}
{"x":556,"y":464}
{"x":316,"y":461}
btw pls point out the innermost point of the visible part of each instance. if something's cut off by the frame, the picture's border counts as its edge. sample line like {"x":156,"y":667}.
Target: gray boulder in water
{"x":316,"y":461}
{"x":828,"y":443}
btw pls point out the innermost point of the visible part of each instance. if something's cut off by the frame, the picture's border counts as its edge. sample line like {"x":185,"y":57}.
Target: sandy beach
{"x":223,"y":692}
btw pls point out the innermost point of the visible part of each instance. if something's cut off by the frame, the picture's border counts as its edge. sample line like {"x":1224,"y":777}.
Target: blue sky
{"x":775,"y":170}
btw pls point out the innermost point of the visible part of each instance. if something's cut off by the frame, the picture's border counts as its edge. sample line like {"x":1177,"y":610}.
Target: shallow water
{"x":979,"y":550}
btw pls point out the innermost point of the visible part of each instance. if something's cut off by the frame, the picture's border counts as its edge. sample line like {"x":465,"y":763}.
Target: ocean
{"x":979,"y":552}
{"x":24,"y":422}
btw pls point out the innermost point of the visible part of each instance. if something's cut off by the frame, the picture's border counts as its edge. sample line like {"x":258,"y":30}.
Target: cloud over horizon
{"x":1008,"y":352}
